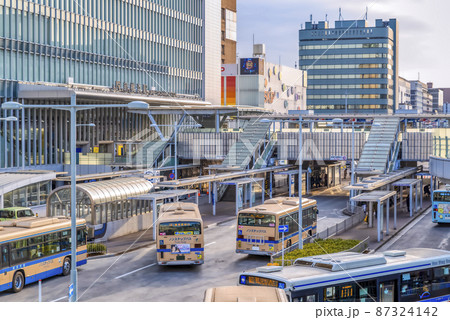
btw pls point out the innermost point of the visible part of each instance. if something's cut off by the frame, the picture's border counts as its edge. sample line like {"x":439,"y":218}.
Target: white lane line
{"x":321,"y":218}
{"x":209,"y":244}
{"x":65,"y":297}
{"x":126,"y":274}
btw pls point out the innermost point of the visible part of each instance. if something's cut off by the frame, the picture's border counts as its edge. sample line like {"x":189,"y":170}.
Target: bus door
{"x":388,"y":291}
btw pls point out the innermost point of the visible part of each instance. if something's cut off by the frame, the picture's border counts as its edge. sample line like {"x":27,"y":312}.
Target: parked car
{"x":15,"y":213}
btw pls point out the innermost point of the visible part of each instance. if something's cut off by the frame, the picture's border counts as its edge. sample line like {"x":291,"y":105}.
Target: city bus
{"x":393,"y":276}
{"x":33,"y":249}
{"x":257,"y":227}
{"x":179,"y":235}
{"x":441,"y":206}
{"x":245,"y":294}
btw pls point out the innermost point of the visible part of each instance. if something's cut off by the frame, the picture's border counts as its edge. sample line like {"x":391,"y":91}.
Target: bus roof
{"x":280,"y":205}
{"x":24,"y":227}
{"x":349,"y":266}
{"x":15,"y":208}
{"x":179,"y":210}
{"x":245,"y":294}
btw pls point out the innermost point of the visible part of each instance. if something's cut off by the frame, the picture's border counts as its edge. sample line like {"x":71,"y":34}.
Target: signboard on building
{"x":252,"y":66}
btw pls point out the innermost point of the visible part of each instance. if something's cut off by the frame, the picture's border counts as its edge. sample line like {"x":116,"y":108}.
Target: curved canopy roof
{"x":110,"y":190}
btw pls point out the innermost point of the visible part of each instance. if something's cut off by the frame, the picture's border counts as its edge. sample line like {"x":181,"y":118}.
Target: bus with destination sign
{"x":441,"y":206}
{"x":258,"y":227}
{"x":410,"y":275}
{"x":179,"y":236}
{"x":32,"y":249}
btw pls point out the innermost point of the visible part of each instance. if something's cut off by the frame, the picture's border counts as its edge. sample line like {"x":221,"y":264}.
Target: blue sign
{"x":71,"y":290}
{"x":283,"y":228}
{"x":172,"y":176}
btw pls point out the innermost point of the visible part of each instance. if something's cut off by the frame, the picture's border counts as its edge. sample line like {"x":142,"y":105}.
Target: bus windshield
{"x":256,"y":220}
{"x":441,"y":196}
{"x":180,"y":228}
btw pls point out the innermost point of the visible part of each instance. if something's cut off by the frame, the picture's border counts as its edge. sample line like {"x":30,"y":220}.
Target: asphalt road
{"x":422,"y":233}
{"x":135,"y":276}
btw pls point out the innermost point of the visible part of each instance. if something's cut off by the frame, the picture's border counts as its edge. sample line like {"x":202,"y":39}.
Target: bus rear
{"x":256,"y":233}
{"x":441,"y":206}
{"x":180,"y":235}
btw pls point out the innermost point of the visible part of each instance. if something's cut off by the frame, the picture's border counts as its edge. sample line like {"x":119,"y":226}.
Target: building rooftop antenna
{"x":367,"y":13}
{"x":310,"y":18}
{"x":340,"y":15}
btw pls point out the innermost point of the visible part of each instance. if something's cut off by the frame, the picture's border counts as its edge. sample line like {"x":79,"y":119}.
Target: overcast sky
{"x":423,"y":24}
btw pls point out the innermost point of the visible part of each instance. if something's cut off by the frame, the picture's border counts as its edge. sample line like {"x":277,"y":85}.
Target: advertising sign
{"x":250,"y":66}
{"x":180,"y":248}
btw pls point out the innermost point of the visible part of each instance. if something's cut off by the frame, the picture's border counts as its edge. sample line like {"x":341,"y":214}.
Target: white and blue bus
{"x":441,"y":206}
{"x":391,"y":276}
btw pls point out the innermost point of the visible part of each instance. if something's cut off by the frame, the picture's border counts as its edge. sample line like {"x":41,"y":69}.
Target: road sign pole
{"x":282,"y":252}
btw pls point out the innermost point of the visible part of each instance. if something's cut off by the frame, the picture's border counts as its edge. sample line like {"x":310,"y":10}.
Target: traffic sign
{"x":172,"y":176}
{"x":283,"y":228}
{"x":70,"y":291}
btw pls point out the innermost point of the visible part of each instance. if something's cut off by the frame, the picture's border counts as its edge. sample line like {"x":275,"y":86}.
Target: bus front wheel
{"x":66,"y":266}
{"x":18,"y":281}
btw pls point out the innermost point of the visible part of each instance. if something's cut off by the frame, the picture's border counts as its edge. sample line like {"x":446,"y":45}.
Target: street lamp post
{"x":300,"y":183}
{"x":72,"y":108}
{"x":11,"y":105}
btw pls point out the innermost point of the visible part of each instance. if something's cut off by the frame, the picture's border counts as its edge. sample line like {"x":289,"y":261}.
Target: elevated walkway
{"x":381,"y":147}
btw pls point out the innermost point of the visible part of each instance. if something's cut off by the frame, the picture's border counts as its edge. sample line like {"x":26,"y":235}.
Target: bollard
{"x":40,"y":290}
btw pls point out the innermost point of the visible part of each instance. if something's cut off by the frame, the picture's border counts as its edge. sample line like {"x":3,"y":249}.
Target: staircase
{"x":243,"y":150}
{"x":148,"y":155}
{"x":381,"y":149}
{"x":250,"y":139}
{"x":262,"y":161}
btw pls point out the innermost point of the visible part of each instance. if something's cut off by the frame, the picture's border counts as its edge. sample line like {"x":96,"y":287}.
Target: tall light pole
{"x":300,"y":183}
{"x":73,"y":108}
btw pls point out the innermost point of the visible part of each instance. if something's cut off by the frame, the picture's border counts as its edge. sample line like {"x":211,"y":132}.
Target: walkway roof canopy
{"x":109,"y":190}
{"x":374,"y":196}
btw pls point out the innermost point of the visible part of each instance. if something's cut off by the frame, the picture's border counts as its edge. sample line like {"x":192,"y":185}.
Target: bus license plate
{"x":255,"y":248}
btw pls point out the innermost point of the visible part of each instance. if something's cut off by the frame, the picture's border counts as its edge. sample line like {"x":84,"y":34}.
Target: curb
{"x":152,"y":242}
{"x":415,"y":217}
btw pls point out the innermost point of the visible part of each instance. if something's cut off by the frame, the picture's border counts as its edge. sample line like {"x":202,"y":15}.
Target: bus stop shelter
{"x":245,"y":192}
{"x":381,"y":198}
{"x":291,"y":174}
{"x":161,"y":197}
{"x":414,"y":186}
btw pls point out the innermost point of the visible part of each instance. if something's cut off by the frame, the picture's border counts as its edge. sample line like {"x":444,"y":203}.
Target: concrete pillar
{"x":379,"y":221}
{"x":237,"y":199}
{"x":410,"y":201}
{"x":416,"y":196}
{"x":155,"y":218}
{"x":251,"y":194}
{"x":401,"y":196}
{"x":271,"y":184}
{"x":209,"y":188}
{"x":370,"y":214}
{"x":214,"y":197}
{"x":421,"y":193}
{"x":289,"y":184}
{"x":1,"y":201}
{"x":387,"y":215}
{"x":395,"y":212}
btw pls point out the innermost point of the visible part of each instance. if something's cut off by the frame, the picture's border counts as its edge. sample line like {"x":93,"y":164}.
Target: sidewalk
{"x":362,"y":230}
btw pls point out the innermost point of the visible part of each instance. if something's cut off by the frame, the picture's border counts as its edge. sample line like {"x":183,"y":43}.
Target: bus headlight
{"x":441,"y":216}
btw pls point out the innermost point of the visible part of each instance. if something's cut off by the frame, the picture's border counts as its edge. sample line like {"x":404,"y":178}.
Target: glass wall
{"x":32,"y":195}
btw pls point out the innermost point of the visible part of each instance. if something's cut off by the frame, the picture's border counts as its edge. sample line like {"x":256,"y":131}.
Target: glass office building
{"x":98,"y":52}
{"x":352,"y":67}
{"x":154,"y":44}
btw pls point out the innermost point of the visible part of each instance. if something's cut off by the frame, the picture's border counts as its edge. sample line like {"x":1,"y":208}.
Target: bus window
{"x":441,"y":196}
{"x":306,"y":298}
{"x":387,"y":291}
{"x":256,"y":220}
{"x":4,"y":256}
{"x":367,"y":291}
{"x":179,"y":228}
{"x":330,"y":294}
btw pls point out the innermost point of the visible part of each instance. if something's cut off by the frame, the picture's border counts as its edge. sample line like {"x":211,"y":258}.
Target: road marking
{"x":321,"y":218}
{"x":443,"y":244}
{"x":126,"y":274}
{"x":65,"y":297}
{"x":390,"y":242}
{"x":209,"y":244}
{"x":232,"y":227}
